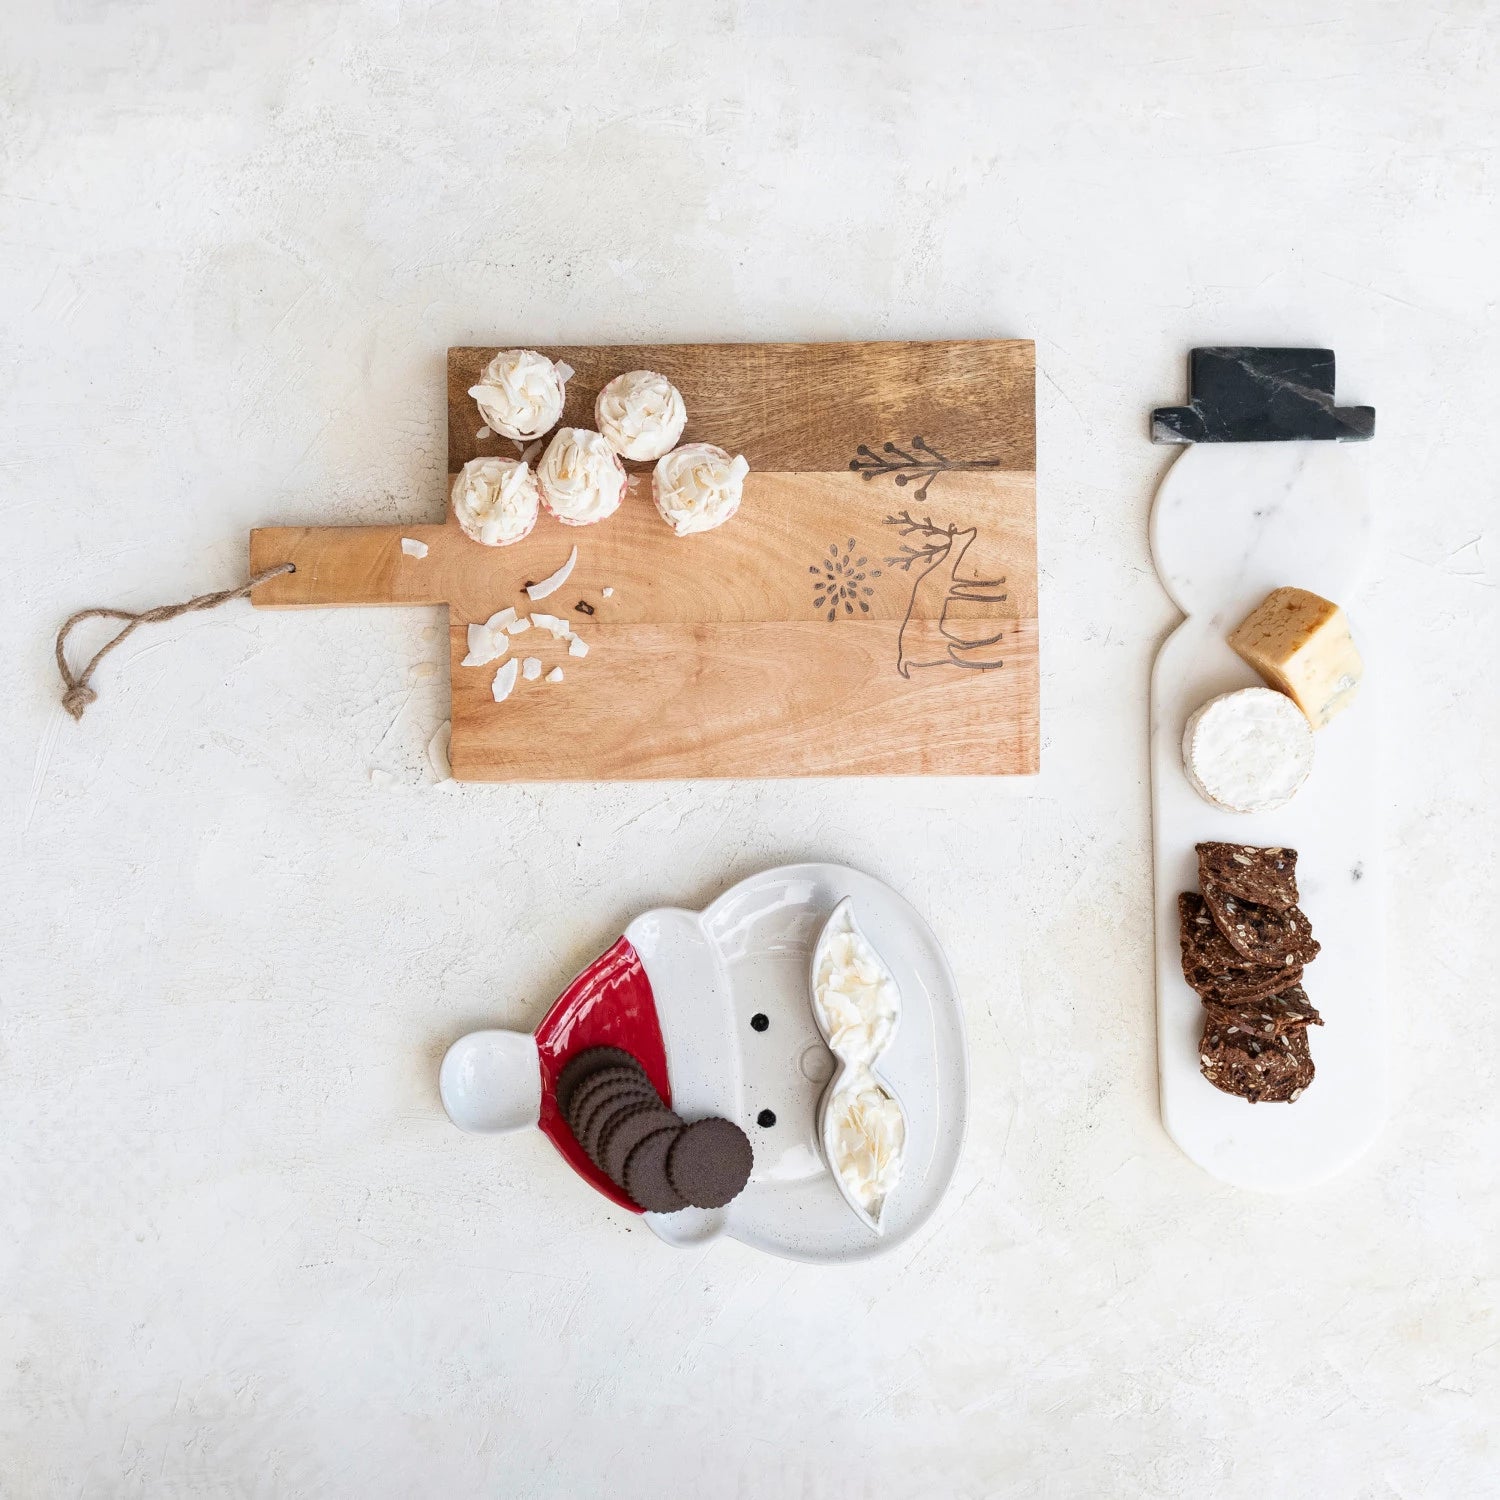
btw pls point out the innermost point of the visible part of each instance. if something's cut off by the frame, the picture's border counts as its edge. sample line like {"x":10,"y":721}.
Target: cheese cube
{"x":1300,"y":643}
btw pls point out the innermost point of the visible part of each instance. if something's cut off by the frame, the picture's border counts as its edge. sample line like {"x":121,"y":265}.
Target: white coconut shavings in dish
{"x":412,"y":547}
{"x":857,"y":1006}
{"x":553,"y":581}
{"x":505,"y":680}
{"x":531,"y":668}
{"x":555,"y":675}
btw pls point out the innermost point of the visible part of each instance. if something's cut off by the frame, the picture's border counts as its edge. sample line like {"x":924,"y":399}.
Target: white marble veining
{"x":242,"y":1250}
{"x":1230,"y":523}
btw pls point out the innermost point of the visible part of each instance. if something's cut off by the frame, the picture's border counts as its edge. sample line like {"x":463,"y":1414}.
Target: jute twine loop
{"x":77,"y":693}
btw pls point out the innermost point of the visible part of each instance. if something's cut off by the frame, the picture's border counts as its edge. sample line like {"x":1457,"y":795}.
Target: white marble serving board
{"x":1230,"y":523}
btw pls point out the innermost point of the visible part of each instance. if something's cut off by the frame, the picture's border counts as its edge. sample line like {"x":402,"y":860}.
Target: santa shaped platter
{"x":718,"y":1010}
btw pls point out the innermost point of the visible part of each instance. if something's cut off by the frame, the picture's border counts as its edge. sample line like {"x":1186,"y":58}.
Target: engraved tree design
{"x":925,"y":463}
{"x":843,"y":581}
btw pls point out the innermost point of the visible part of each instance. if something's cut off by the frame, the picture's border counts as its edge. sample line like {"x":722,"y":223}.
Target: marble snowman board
{"x":871,"y":610}
{"x":1229,"y":524}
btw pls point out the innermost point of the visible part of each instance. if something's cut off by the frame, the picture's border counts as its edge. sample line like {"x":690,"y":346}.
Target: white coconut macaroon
{"x":641,"y":415}
{"x":697,"y":487}
{"x":520,"y":394}
{"x":495,"y":500}
{"x":581,"y":477}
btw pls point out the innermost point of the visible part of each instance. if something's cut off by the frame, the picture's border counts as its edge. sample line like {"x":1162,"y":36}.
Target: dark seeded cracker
{"x":1273,"y":1015}
{"x":1214,"y":969}
{"x":1262,"y":934}
{"x":1275,"y":1070}
{"x":1267,"y":876}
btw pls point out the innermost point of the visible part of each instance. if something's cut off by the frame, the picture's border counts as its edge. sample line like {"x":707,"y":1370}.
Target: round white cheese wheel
{"x":1248,"y":751}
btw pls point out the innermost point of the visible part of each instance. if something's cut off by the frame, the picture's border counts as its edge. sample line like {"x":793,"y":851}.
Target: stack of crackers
{"x":661,"y":1162}
{"x":1244,"y":945}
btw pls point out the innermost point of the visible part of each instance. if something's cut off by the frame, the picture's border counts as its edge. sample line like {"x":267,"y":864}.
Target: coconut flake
{"x":501,"y":620}
{"x":529,"y":453}
{"x":578,"y":647}
{"x":516,"y":627}
{"x":555,"y":675}
{"x":485,"y":646}
{"x":437,"y":752}
{"x":531,"y":668}
{"x":381,"y":778}
{"x":481,"y":435}
{"x":558,"y":629}
{"x":609,"y":593}
{"x":550,"y":585}
{"x":564,"y":370}
{"x":413,"y":548}
{"x":505,"y":680}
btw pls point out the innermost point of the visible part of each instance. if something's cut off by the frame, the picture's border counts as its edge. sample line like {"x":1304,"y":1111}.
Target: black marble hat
{"x":1248,"y":395}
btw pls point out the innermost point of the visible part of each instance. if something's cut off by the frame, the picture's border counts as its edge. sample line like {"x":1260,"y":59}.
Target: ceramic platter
{"x":716,"y":1006}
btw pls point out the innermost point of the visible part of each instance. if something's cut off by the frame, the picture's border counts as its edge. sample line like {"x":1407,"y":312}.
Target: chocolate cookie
{"x":645,"y":1176}
{"x":625,"y":1132}
{"x":1250,"y":873}
{"x":1262,"y":934}
{"x":597,"y":1086}
{"x":1273,"y":1015}
{"x":581,"y":1065}
{"x":1273,"y":1070}
{"x":1214,"y":969}
{"x":709,"y":1162}
{"x":593,"y":1121}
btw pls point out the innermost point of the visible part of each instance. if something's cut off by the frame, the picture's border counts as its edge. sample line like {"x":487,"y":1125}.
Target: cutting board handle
{"x":350,"y":565}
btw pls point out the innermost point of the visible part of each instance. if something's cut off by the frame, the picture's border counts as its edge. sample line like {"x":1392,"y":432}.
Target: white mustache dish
{"x":857,"y":1006}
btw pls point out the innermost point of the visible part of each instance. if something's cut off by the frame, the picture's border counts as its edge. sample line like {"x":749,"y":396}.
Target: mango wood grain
{"x":759,"y":567}
{"x":800,"y":407}
{"x":875,"y":619}
{"x":744,"y":699}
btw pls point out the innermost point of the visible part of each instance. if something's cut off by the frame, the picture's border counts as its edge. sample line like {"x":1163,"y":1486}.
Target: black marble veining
{"x":1250,"y":395}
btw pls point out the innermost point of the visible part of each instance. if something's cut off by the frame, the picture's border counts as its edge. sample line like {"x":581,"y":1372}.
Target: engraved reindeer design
{"x":933,"y":634}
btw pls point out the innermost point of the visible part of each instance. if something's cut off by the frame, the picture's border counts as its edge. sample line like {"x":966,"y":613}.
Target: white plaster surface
{"x":241,"y":1250}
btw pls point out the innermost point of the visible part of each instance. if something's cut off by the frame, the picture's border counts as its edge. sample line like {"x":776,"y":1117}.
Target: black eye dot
{"x":766,"y":1118}
{"x":759,"y":1021}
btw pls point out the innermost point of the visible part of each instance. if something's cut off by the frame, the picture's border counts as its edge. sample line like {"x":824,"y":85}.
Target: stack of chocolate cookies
{"x":1244,"y":945}
{"x":661,"y":1162}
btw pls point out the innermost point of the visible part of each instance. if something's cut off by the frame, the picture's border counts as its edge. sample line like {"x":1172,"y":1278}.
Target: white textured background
{"x":241,"y":1250}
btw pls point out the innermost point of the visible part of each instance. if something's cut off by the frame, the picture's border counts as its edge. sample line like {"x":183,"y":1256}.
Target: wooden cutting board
{"x":871,"y":610}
